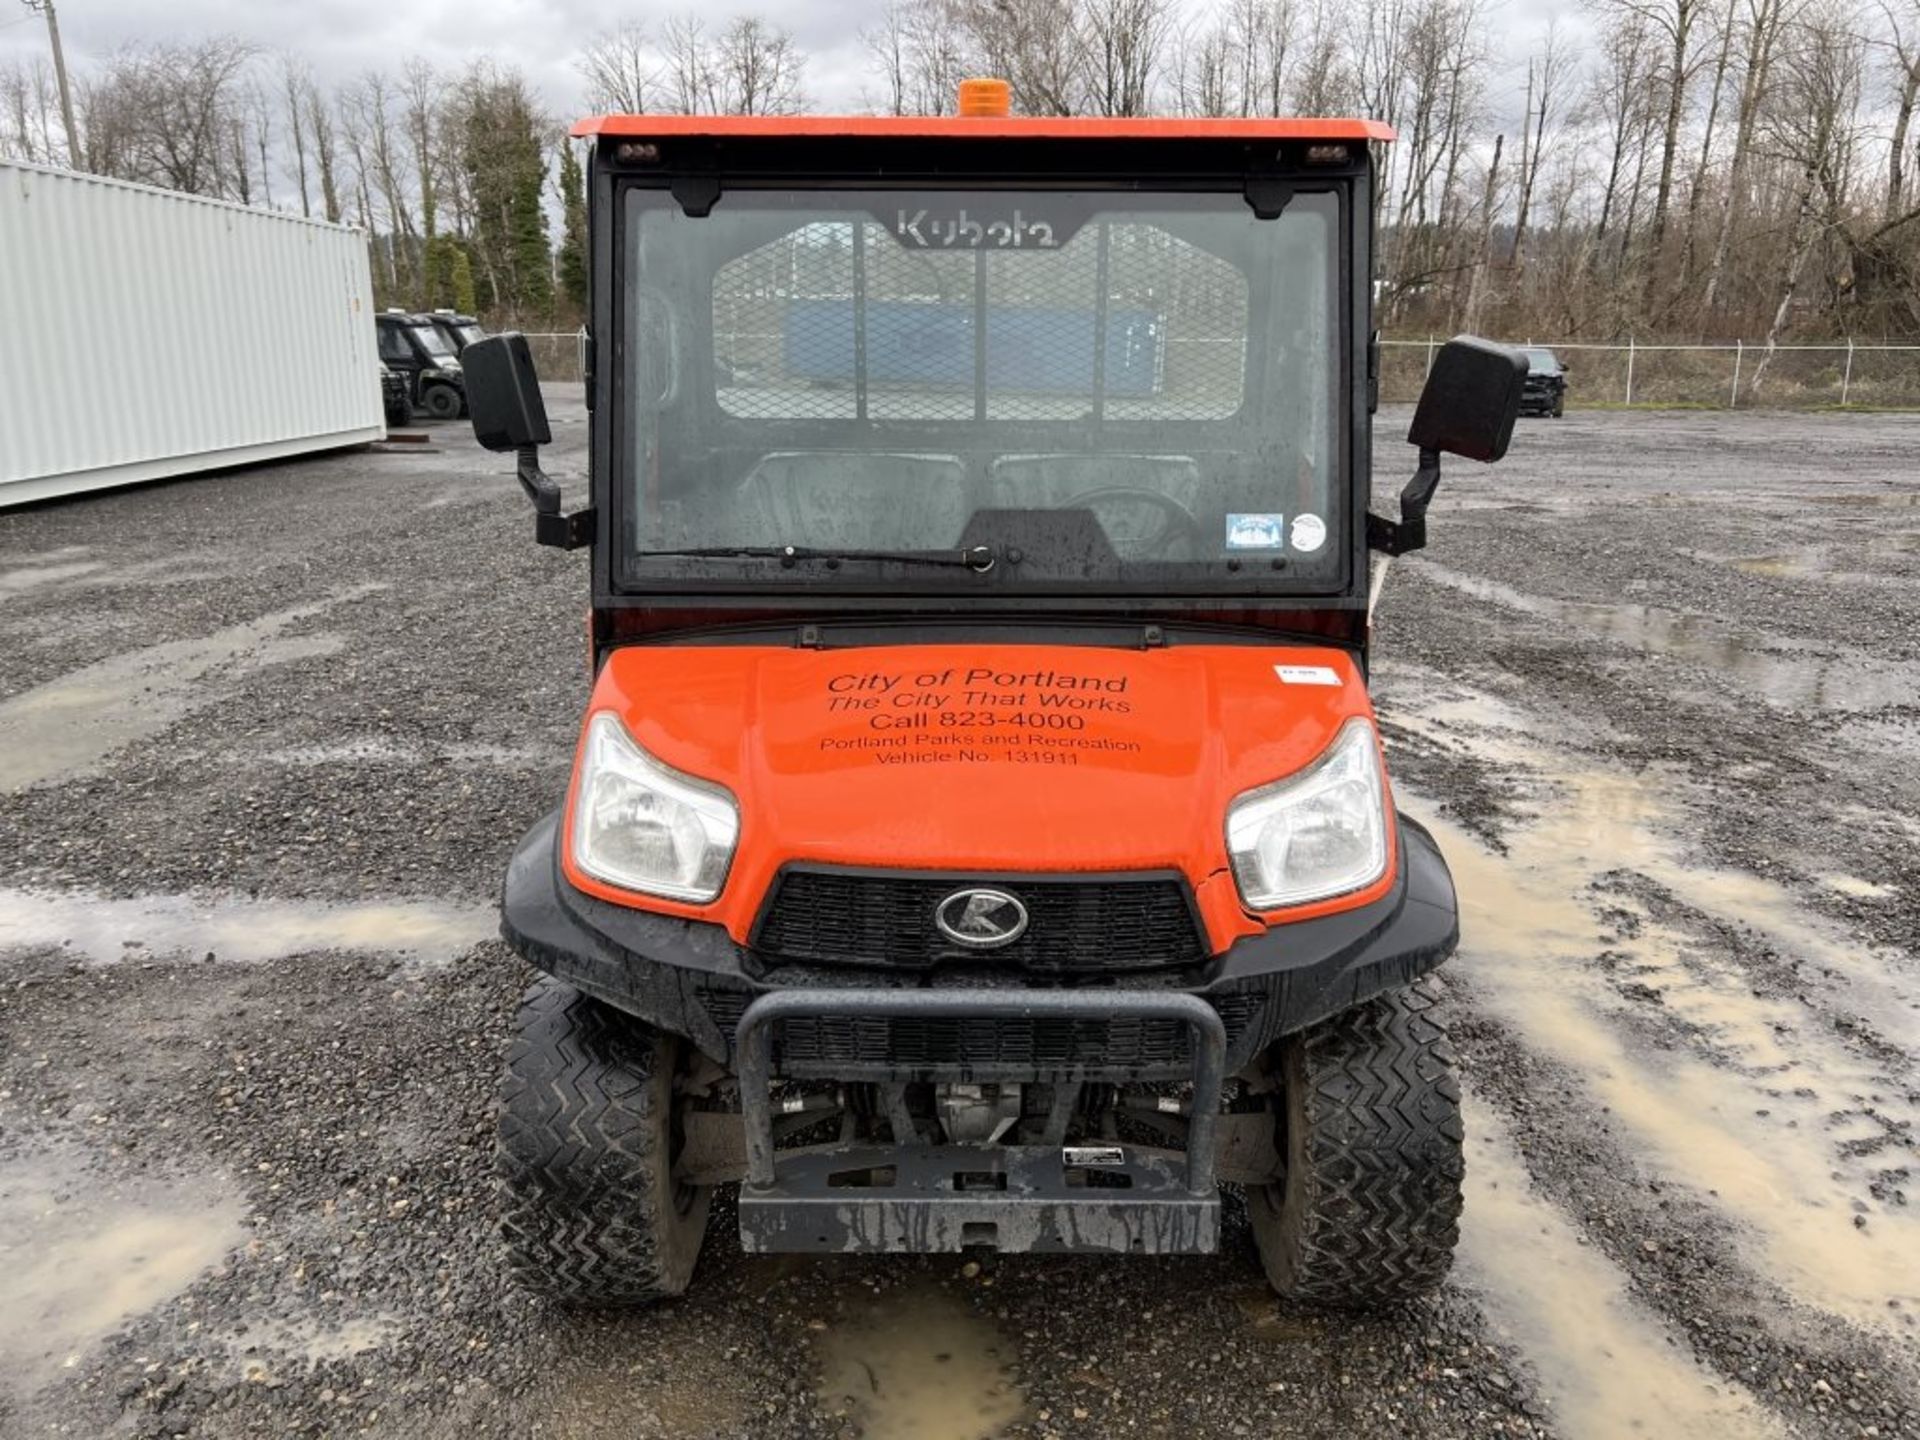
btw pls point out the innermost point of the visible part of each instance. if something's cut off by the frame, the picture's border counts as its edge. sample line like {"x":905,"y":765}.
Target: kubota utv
{"x":979,"y":835}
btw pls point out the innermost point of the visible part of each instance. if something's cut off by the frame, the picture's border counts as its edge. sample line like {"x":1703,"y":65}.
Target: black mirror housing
{"x":1469,"y":404}
{"x":503,"y":393}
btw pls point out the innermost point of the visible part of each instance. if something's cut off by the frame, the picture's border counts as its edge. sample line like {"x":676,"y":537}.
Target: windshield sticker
{"x":1256,"y":532}
{"x":1309,"y":533}
{"x":1306,"y":675}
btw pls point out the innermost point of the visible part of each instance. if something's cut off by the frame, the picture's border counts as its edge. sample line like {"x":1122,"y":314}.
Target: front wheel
{"x":1559,"y":405}
{"x":1368,"y":1210}
{"x":442,"y":402}
{"x":591,"y":1211}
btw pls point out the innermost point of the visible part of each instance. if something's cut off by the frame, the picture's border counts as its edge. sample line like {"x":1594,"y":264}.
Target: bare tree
{"x":1677,"y":23}
{"x":1761,"y":22}
{"x":758,"y":69}
{"x":1121,"y":41}
{"x":1032,"y":43}
{"x":168,"y":115}
{"x":1902,"y":43}
{"x":321,"y":126}
{"x":692,"y":83}
{"x":620,"y":71}
{"x":29,"y":113}
{"x":1814,"y":129}
{"x":1548,"y":75}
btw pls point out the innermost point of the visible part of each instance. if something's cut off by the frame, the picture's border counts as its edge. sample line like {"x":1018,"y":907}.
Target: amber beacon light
{"x":985,"y":99}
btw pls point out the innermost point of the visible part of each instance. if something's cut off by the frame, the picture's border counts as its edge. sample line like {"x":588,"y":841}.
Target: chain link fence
{"x":1732,"y":376}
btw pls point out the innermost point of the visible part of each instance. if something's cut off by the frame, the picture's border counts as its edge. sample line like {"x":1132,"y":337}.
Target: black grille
{"x":1075,"y":925}
{"x":847,"y":1047}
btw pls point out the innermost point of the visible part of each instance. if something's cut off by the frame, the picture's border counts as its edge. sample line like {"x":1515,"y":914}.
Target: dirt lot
{"x":266,"y":740}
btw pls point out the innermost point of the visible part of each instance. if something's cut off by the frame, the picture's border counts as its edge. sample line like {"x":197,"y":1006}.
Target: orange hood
{"x":982,"y":759}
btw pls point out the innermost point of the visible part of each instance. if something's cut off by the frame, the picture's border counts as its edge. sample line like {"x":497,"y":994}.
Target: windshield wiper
{"x":977,"y":558}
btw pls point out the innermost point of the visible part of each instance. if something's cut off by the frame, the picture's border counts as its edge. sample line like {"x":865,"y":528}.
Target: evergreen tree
{"x":506,"y":170}
{"x":573,"y":241}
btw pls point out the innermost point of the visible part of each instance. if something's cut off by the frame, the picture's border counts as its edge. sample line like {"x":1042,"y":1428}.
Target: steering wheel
{"x":1176,"y":521}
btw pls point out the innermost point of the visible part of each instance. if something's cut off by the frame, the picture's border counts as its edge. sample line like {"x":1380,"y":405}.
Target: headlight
{"x":644,"y":826}
{"x":1319,"y":833}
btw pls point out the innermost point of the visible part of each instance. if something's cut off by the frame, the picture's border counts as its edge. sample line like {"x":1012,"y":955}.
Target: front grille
{"x":1077,"y":925}
{"x":845,"y":1047}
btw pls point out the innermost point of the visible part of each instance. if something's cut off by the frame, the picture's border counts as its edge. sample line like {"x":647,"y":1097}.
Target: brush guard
{"x":916,"y":1197}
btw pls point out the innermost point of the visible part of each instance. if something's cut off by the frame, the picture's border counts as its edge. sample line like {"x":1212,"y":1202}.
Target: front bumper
{"x":692,"y":979}
{"x":1199,"y":1026}
{"x":1540,"y":397}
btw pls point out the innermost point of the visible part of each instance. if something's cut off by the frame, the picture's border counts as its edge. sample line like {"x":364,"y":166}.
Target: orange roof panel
{"x":948,"y":127}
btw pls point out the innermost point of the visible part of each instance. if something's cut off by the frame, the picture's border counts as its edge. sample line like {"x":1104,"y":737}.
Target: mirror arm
{"x":550,"y":527}
{"x":540,"y":489}
{"x":1409,"y":532}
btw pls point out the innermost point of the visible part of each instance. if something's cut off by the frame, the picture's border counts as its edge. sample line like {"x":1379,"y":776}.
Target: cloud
{"x":344,"y":38}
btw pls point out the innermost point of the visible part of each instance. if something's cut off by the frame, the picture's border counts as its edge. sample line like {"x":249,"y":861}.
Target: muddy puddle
{"x":1864,"y":562}
{"x":234,"y":928}
{"x":70,"y":725}
{"x":918,"y":1364}
{"x":1791,"y":674}
{"x":1757,"y":1103}
{"x":81,"y":1254}
{"x":1607,"y":1366}
{"x":30,"y":577}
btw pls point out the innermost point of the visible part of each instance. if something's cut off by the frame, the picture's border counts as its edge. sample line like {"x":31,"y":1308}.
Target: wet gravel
{"x":390,"y":701}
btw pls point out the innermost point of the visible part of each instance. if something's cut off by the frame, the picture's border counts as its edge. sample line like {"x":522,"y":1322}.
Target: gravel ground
{"x":267,"y":738}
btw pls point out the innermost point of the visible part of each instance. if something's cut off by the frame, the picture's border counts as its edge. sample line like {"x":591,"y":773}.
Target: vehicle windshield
{"x":1108,"y":389}
{"x":1542,"y":361}
{"x":470,"y":333}
{"x":433,"y":342}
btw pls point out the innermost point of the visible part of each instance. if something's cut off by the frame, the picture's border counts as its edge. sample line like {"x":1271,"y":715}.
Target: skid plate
{"x":930,"y":1199}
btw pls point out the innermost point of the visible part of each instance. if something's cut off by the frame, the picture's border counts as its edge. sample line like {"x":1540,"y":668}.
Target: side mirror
{"x":1468,"y":407}
{"x":503,"y":393}
{"x":503,"y":396}
{"x":1470,"y":401}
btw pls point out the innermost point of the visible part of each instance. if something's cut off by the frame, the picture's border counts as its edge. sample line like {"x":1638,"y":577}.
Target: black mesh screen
{"x":841,"y":320}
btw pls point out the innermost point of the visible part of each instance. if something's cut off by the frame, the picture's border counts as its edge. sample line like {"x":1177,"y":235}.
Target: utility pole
{"x":45,"y":7}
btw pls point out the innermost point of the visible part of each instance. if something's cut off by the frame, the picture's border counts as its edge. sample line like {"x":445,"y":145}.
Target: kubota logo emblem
{"x":981,"y":919}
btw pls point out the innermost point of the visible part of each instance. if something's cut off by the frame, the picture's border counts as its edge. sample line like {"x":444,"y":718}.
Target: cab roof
{"x":952,"y":127}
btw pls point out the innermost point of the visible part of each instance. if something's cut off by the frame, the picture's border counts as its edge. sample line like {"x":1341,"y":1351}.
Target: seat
{"x":854,"y":500}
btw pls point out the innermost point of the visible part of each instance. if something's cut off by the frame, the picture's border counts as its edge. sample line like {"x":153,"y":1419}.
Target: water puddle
{"x":235,"y":928}
{"x":1791,"y":674}
{"x":918,"y":1364}
{"x":1855,"y":888}
{"x":1889,"y":498}
{"x":15,"y":582}
{"x":70,"y":725}
{"x":1782,"y":567}
{"x":80,"y":1254}
{"x":272,"y":1350}
{"x":1608,"y":1367}
{"x":1764,"y":1106}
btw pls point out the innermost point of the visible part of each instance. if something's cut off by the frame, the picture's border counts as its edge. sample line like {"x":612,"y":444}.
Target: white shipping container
{"x":145,"y":333}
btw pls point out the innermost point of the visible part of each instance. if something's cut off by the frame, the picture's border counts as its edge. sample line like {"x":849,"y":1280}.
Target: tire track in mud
{"x":1607,"y":1364}
{"x":1785,"y":1111}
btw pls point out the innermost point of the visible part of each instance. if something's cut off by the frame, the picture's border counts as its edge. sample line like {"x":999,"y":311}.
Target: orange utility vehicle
{"x":979,"y":834}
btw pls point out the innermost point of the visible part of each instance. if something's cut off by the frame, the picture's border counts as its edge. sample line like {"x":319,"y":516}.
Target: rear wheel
{"x":442,"y":402}
{"x":1368,"y":1210}
{"x":591,"y":1211}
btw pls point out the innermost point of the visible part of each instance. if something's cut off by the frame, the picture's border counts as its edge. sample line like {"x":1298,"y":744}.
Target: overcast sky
{"x":342,"y":38}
